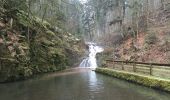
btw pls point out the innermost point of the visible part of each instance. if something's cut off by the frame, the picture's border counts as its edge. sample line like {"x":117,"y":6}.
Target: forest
{"x":53,"y":36}
{"x":37,"y":36}
{"x":128,"y":29}
{"x":136,"y":30}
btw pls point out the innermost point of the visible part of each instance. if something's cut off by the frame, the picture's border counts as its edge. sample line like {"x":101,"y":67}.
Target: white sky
{"x":83,"y":1}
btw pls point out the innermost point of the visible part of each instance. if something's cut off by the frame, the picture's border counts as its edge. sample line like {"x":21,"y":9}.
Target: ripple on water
{"x":78,"y":84}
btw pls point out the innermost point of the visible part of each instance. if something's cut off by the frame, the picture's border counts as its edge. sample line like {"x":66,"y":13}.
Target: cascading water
{"x":90,"y":61}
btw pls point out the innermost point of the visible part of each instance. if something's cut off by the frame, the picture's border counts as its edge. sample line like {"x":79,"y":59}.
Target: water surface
{"x":78,"y":84}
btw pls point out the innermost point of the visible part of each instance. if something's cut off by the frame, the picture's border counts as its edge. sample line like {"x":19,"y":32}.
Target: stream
{"x":77,"y":84}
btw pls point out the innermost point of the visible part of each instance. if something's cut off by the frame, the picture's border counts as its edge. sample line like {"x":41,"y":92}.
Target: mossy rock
{"x":45,"y":41}
{"x":23,"y":19}
{"x":31,"y":21}
{"x":42,"y":23}
{"x":45,"y":50}
{"x":50,"y":33}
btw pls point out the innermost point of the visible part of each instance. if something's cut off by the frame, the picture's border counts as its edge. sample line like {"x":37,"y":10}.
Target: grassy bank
{"x":148,"y":81}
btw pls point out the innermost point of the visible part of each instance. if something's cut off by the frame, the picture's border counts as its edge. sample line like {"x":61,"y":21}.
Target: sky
{"x":83,"y":1}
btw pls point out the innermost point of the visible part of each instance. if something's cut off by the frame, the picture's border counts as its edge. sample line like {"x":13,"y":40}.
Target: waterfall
{"x":90,"y":61}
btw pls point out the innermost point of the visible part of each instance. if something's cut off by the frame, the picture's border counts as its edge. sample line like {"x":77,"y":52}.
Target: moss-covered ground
{"x":149,"y":81}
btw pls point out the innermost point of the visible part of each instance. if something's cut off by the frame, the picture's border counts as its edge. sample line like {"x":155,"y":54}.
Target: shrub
{"x":151,"y":38}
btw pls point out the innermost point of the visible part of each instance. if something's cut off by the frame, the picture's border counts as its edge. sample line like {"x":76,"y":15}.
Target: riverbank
{"x":149,"y":81}
{"x":32,"y":45}
{"x":77,"y":84}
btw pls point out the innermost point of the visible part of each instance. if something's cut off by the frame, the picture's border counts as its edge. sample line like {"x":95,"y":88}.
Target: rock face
{"x":33,"y":46}
{"x":110,"y":19}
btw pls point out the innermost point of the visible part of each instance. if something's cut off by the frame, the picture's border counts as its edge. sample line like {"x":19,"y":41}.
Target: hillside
{"x":148,"y":47}
{"x":30,"y":45}
{"x":152,"y":45}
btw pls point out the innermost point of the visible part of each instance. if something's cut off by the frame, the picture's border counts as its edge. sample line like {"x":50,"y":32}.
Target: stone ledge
{"x":149,"y":81}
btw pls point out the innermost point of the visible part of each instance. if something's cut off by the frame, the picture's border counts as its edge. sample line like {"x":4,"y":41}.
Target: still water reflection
{"x":77,"y":84}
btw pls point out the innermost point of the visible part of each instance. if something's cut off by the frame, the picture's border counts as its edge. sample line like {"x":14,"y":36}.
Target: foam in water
{"x":90,"y":61}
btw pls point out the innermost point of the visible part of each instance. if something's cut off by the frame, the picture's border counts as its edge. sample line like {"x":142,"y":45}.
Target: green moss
{"x":151,"y":38}
{"x":42,"y":23}
{"x":50,"y":33}
{"x":32,"y":22}
{"x":23,"y":19}
{"x":45,"y":50}
{"x":148,"y":81}
{"x":45,"y":41}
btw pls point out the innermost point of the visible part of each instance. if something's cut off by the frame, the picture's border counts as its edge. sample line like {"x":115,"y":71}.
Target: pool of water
{"x":77,"y":84}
